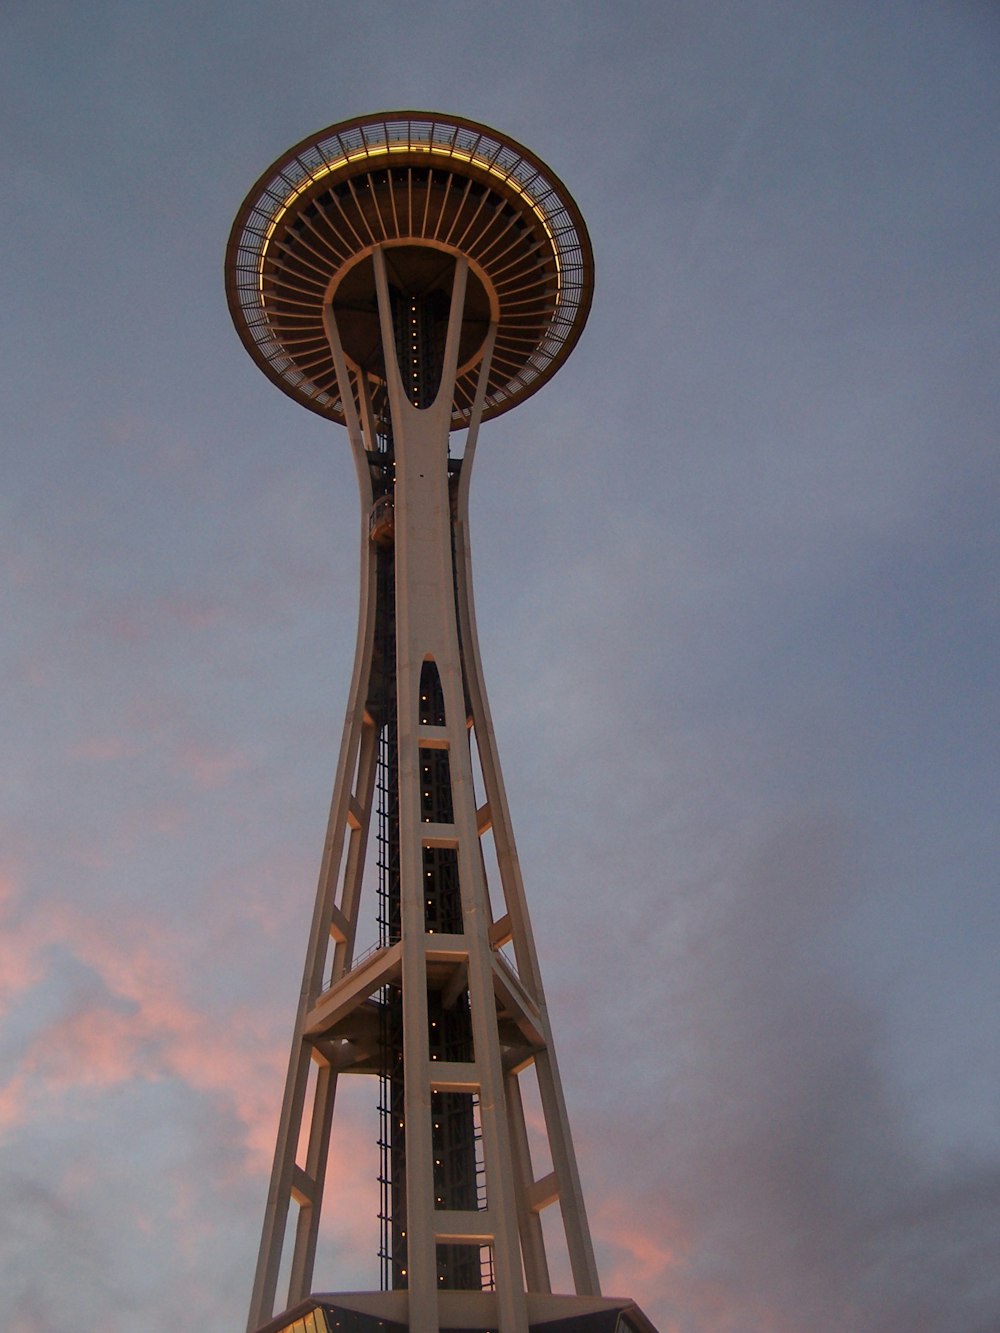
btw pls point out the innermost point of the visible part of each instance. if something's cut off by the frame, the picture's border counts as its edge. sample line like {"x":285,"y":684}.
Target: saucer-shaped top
{"x":427,"y":187}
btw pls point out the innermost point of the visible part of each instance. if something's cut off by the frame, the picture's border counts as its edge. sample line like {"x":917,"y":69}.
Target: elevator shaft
{"x":420,"y":325}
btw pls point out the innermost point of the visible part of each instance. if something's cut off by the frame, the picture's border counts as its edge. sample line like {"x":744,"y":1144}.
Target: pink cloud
{"x":191,"y":612}
{"x":13,"y":1102}
{"x":128,"y":428}
{"x":144,"y":1029}
{"x":657,"y":1259}
{"x":207,"y":1054}
{"x":141,"y":1025}
{"x":22,"y":942}
{"x":645,"y":1251}
{"x":79,"y":1176}
{"x":102,"y":749}
{"x":27,"y":1324}
{"x":93,"y":1047}
{"x":125,"y":624}
{"x":210,"y":768}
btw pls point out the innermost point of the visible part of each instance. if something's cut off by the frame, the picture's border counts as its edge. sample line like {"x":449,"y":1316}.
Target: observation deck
{"x":427,"y":188}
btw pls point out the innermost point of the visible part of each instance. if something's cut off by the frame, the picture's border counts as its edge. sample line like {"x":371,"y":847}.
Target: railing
{"x":370,"y":952}
{"x":508,"y":963}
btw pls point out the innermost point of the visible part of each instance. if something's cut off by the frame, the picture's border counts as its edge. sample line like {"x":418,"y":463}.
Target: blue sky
{"x":737,"y":591}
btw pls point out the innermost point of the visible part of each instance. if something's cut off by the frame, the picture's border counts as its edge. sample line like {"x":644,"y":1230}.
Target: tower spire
{"x":408,"y":275}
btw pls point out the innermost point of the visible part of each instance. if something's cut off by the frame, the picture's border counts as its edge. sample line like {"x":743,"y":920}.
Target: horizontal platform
{"x":459,"y":1311}
{"x":347,"y":1010}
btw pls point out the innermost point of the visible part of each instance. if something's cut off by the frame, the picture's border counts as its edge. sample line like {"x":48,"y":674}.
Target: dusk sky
{"x":737,"y":590}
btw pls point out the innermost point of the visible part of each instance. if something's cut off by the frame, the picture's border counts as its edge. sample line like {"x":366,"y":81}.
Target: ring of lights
{"x":425,"y":188}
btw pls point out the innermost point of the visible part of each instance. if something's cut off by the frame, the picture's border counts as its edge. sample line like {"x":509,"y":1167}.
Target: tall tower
{"x":408,"y":275}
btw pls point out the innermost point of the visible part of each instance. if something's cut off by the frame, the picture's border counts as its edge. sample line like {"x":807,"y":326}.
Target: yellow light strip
{"x":361,"y":154}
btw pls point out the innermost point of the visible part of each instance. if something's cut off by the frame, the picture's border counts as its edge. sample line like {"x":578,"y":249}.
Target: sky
{"x":736,"y":583}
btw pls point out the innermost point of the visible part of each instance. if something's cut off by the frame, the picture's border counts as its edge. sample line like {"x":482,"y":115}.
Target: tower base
{"x":461,"y":1311}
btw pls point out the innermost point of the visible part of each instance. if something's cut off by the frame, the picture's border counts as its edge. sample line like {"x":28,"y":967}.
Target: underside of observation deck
{"x":427,"y":188}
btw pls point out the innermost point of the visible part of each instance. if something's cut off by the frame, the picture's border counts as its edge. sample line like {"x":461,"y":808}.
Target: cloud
{"x":641,"y":1253}
{"x":209,"y":767}
{"x":93,"y":1046}
{"x":102,"y":749}
{"x":22,"y":940}
{"x":131,"y":1021}
{"x":13,"y":1102}
{"x":771,"y":1176}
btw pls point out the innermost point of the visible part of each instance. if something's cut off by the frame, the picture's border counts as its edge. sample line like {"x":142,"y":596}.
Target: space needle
{"x":408,"y":276}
